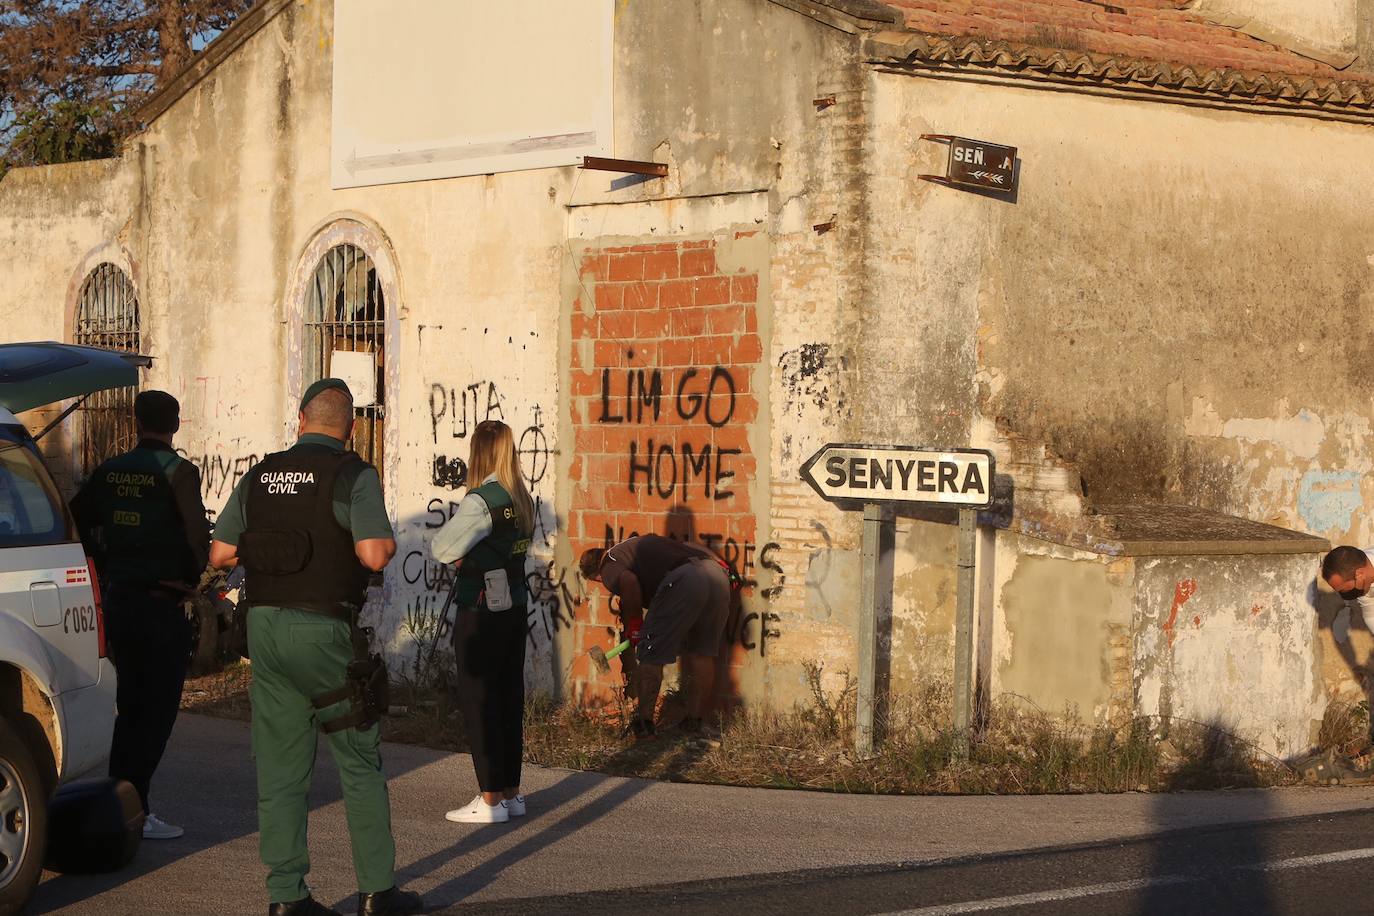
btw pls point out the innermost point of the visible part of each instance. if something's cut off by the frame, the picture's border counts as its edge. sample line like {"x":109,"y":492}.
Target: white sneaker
{"x":155,"y":828}
{"x":479,"y":812}
{"x":516,"y":806}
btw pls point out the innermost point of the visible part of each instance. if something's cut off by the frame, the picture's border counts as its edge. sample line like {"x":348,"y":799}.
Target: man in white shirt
{"x":1350,"y":573}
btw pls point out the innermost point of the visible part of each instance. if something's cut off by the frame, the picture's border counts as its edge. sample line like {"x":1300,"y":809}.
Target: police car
{"x":57,"y":689}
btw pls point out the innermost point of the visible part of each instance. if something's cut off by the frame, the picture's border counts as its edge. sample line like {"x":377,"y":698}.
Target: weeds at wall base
{"x":1020,"y":751}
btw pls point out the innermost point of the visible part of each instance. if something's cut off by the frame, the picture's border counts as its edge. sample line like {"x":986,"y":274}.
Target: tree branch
{"x":131,"y":68}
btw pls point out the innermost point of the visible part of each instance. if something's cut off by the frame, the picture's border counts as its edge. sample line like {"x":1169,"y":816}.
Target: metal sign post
{"x":963,"y":634}
{"x":868,"y":630}
{"x":884,"y":474}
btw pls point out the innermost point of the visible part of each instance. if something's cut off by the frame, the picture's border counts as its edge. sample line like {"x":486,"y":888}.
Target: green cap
{"x":324,"y":384}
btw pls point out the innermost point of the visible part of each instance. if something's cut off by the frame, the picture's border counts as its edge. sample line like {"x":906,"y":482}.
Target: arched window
{"x":106,"y":316}
{"x":345,"y":313}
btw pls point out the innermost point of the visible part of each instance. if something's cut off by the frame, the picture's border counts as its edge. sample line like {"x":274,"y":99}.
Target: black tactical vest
{"x":295,"y":551}
{"x":143,"y":538}
{"x":504,"y":548}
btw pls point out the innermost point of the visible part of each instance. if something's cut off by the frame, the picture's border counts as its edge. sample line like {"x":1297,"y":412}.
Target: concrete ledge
{"x":1157,"y":530}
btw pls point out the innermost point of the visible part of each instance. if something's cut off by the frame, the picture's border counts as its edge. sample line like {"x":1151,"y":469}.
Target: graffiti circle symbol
{"x":534,"y":454}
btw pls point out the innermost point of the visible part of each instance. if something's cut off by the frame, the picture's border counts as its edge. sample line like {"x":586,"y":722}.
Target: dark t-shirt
{"x":650,"y":557}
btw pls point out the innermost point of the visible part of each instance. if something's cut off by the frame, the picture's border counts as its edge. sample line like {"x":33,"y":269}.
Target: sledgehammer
{"x":602,"y":659}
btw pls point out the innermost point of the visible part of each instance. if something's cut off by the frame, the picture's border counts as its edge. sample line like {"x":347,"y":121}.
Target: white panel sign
{"x":359,"y":372}
{"x":426,"y":89}
{"x":896,"y":473}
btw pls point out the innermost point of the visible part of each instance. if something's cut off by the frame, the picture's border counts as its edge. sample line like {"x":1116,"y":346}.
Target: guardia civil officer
{"x":309,"y":526}
{"x":489,"y":536}
{"x":143,"y":522}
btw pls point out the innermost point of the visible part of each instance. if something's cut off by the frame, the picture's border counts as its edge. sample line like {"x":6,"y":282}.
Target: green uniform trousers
{"x":298,"y":655}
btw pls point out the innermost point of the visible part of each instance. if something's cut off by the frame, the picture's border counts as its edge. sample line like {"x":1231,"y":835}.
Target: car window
{"x":31,"y":511}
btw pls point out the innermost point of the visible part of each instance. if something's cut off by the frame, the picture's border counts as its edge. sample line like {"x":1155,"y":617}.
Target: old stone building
{"x":1160,"y":333}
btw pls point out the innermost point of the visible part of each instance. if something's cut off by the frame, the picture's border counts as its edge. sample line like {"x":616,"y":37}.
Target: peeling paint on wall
{"x":1327,"y":500}
{"x":1184,"y":590}
{"x":1302,"y":433}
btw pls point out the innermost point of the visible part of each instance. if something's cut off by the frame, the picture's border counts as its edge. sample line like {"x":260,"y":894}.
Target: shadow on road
{"x":1174,"y":858}
{"x":552,"y":813}
{"x":215,"y":803}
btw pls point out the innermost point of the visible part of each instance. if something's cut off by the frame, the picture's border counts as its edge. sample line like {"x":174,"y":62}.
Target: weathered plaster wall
{"x":1067,"y":633}
{"x":218,"y":204}
{"x":1104,"y":303}
{"x":1162,"y":314}
{"x":242,"y":189}
{"x":58,"y":223}
{"x":1230,"y":641}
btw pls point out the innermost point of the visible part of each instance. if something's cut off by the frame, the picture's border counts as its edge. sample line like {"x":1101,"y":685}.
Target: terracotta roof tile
{"x":1155,"y":30}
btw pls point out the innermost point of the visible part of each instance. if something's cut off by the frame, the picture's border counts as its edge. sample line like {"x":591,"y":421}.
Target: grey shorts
{"x":688,"y":614}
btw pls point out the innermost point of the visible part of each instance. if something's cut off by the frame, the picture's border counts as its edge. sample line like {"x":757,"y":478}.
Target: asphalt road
{"x":1310,"y":865}
{"x":595,"y":844}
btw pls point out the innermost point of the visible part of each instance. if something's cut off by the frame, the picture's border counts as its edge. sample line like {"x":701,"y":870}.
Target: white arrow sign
{"x":897,"y":473}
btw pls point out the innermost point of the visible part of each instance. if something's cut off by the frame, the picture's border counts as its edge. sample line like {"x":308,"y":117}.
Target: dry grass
{"x":1345,"y":728}
{"x":1019,"y":751}
{"x":221,"y":693}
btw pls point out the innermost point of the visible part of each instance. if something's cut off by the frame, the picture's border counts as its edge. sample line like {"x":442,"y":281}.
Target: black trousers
{"x":149,"y":642}
{"x":490,"y":649}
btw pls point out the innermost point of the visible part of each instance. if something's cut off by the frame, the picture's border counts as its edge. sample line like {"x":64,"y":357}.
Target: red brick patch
{"x":661,"y":440}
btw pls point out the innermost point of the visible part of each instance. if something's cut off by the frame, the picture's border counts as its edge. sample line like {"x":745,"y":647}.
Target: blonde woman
{"x":487,"y":538}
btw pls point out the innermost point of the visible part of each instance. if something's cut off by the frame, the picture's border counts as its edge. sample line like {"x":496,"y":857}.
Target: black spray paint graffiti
{"x":220,"y":473}
{"x":533,"y":451}
{"x":551,"y":597}
{"x":454,"y":413}
{"x":745,"y":560}
{"x":449,"y":473}
{"x":439,"y":511}
{"x":811,"y":376}
{"x":418,"y":566}
{"x":663,"y":469}
{"x":463,"y":408}
{"x":712,"y":398}
{"x":457,"y":410}
{"x":551,"y":600}
{"x":767,"y":630}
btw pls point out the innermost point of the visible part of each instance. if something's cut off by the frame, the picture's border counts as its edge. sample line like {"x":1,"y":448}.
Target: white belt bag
{"x":497,"y":590}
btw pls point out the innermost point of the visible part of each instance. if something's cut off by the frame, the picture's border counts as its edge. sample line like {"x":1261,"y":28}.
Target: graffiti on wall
{"x":454,"y":412}
{"x":220,"y":472}
{"x":674,"y":467}
{"x":663,"y":389}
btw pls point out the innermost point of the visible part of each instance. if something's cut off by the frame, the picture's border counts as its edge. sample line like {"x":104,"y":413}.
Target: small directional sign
{"x":976,"y":164}
{"x":899,"y":473}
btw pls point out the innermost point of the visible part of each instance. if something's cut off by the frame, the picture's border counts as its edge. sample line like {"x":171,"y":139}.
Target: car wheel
{"x":23,"y":822}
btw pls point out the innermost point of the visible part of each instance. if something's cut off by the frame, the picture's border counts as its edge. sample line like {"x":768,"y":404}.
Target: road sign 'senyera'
{"x":897,"y":473}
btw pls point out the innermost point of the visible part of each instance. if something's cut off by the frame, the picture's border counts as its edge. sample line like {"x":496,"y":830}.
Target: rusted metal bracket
{"x":938,"y":138}
{"x":823,"y":103}
{"x":630,"y":166}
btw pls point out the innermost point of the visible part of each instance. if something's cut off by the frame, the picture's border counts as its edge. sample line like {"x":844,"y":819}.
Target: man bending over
{"x":686,"y":592}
